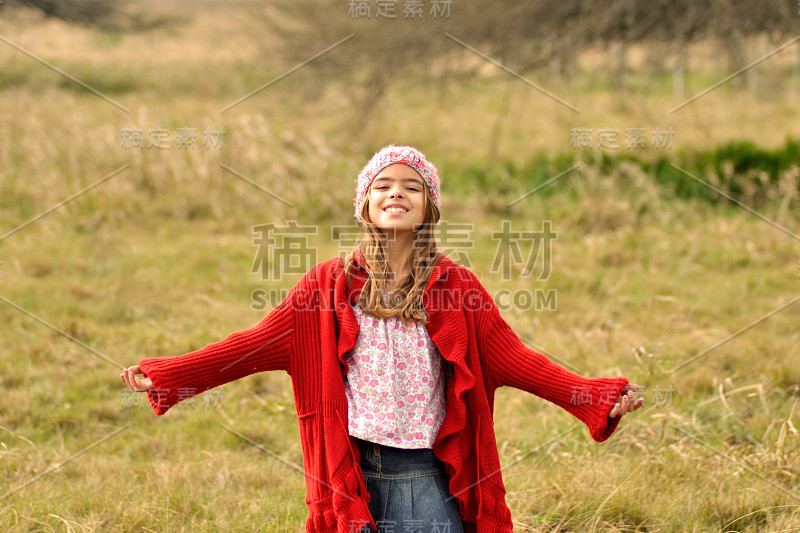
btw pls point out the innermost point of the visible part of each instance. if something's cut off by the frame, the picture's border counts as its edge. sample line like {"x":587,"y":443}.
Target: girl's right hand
{"x":136,"y":384}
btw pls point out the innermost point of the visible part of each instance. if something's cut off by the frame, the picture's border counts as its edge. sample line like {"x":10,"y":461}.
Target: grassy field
{"x":156,"y":261}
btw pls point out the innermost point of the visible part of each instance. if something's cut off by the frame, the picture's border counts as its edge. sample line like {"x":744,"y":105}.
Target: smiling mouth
{"x":395,"y":210}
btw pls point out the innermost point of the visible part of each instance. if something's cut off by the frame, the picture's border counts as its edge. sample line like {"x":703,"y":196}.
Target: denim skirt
{"x":408,"y":490}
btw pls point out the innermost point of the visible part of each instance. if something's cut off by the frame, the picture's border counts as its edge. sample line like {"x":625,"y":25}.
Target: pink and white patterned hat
{"x":390,"y":155}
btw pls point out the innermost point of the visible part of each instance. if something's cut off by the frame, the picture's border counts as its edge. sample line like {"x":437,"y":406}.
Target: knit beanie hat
{"x":390,"y":155}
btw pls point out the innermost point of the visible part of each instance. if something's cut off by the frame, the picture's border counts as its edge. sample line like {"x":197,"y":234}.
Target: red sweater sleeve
{"x":513,"y":364}
{"x":266,"y":346}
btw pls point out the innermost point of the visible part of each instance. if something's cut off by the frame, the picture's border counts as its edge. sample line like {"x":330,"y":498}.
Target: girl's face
{"x":397,"y":186}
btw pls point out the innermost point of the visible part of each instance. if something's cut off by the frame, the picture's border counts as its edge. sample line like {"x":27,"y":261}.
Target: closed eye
{"x":381,"y":187}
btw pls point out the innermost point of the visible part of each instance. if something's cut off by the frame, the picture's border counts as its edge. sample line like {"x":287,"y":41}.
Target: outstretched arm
{"x":597,"y":402}
{"x":266,"y":346}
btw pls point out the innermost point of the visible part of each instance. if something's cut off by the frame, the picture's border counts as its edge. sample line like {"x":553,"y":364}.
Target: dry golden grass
{"x":156,"y":261}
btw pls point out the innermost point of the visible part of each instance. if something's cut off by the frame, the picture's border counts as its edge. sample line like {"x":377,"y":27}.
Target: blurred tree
{"x":105,"y":14}
{"x":524,"y":35}
{"x":392,"y":44}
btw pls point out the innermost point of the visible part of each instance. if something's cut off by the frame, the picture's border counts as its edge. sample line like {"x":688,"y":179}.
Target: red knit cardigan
{"x":308,"y":334}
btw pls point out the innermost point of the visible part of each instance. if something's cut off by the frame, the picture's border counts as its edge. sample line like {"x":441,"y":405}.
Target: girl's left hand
{"x":627,"y":402}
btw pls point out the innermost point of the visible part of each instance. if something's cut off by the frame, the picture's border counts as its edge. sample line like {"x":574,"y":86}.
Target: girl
{"x":395,"y":354}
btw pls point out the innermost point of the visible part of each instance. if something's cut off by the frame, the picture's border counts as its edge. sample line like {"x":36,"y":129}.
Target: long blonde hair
{"x":406,"y":300}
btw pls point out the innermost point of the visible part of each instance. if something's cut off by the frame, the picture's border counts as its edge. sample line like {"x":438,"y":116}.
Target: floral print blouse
{"x":395,"y":384}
